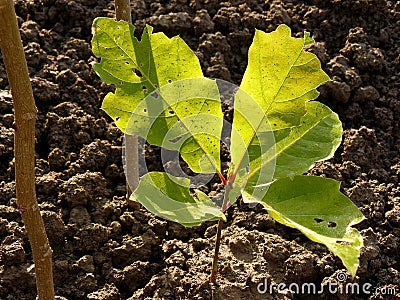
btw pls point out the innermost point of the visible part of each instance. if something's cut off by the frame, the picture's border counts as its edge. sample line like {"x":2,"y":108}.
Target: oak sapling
{"x":278,"y":131}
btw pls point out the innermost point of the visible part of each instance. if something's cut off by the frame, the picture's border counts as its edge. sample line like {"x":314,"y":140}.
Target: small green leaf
{"x":315,"y":139}
{"x":315,"y":206}
{"x":308,"y":39}
{"x":169,"y":197}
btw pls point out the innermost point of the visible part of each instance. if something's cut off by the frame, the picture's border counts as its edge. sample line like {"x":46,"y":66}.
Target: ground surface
{"x":104,"y":249}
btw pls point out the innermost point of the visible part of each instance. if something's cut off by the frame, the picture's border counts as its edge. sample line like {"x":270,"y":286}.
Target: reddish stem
{"x":223,"y":179}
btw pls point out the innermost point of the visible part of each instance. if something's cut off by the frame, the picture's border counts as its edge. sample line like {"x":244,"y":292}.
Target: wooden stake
{"x":123,"y":12}
{"x":24,"y":147}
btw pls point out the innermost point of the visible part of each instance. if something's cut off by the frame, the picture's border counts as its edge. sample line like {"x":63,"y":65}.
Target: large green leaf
{"x":169,"y":197}
{"x":280,"y":78}
{"x":315,"y":206}
{"x":152,"y":95}
{"x":296,"y":149}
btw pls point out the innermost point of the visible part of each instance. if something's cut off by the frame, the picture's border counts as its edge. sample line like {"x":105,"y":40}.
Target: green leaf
{"x":152,"y":62}
{"x":159,"y":87}
{"x":308,"y":40}
{"x":169,"y":197}
{"x":296,"y":149}
{"x":280,"y":78}
{"x":316,"y":139}
{"x":315,"y":206}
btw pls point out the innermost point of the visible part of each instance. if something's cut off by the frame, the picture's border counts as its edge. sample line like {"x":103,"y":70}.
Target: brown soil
{"x":104,"y":249}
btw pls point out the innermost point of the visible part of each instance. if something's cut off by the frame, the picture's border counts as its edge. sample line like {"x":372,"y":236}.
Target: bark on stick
{"x":24,"y":147}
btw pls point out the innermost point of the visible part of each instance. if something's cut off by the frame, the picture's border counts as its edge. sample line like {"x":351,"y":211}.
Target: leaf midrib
{"x":271,"y":102}
{"x":133,"y":61}
{"x":251,"y":174}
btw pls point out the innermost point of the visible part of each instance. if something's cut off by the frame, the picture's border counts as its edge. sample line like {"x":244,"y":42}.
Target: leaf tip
{"x":308,"y":40}
{"x":148,"y":30}
{"x":284,"y":29}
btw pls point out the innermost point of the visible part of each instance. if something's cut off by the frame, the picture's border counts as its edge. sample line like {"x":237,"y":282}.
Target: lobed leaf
{"x":315,"y":206}
{"x":280,"y":78}
{"x":152,"y":62}
{"x":152,"y":95}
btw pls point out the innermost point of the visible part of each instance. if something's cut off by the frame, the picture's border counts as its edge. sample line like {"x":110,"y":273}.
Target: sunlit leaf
{"x":169,"y":197}
{"x":152,"y":95}
{"x":280,"y":78}
{"x":315,"y":206}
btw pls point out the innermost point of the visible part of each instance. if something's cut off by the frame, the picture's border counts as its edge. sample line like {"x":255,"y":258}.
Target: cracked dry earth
{"x":105,"y":249}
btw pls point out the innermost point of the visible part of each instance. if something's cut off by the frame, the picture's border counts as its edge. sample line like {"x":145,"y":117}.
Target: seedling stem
{"x":214,"y":268}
